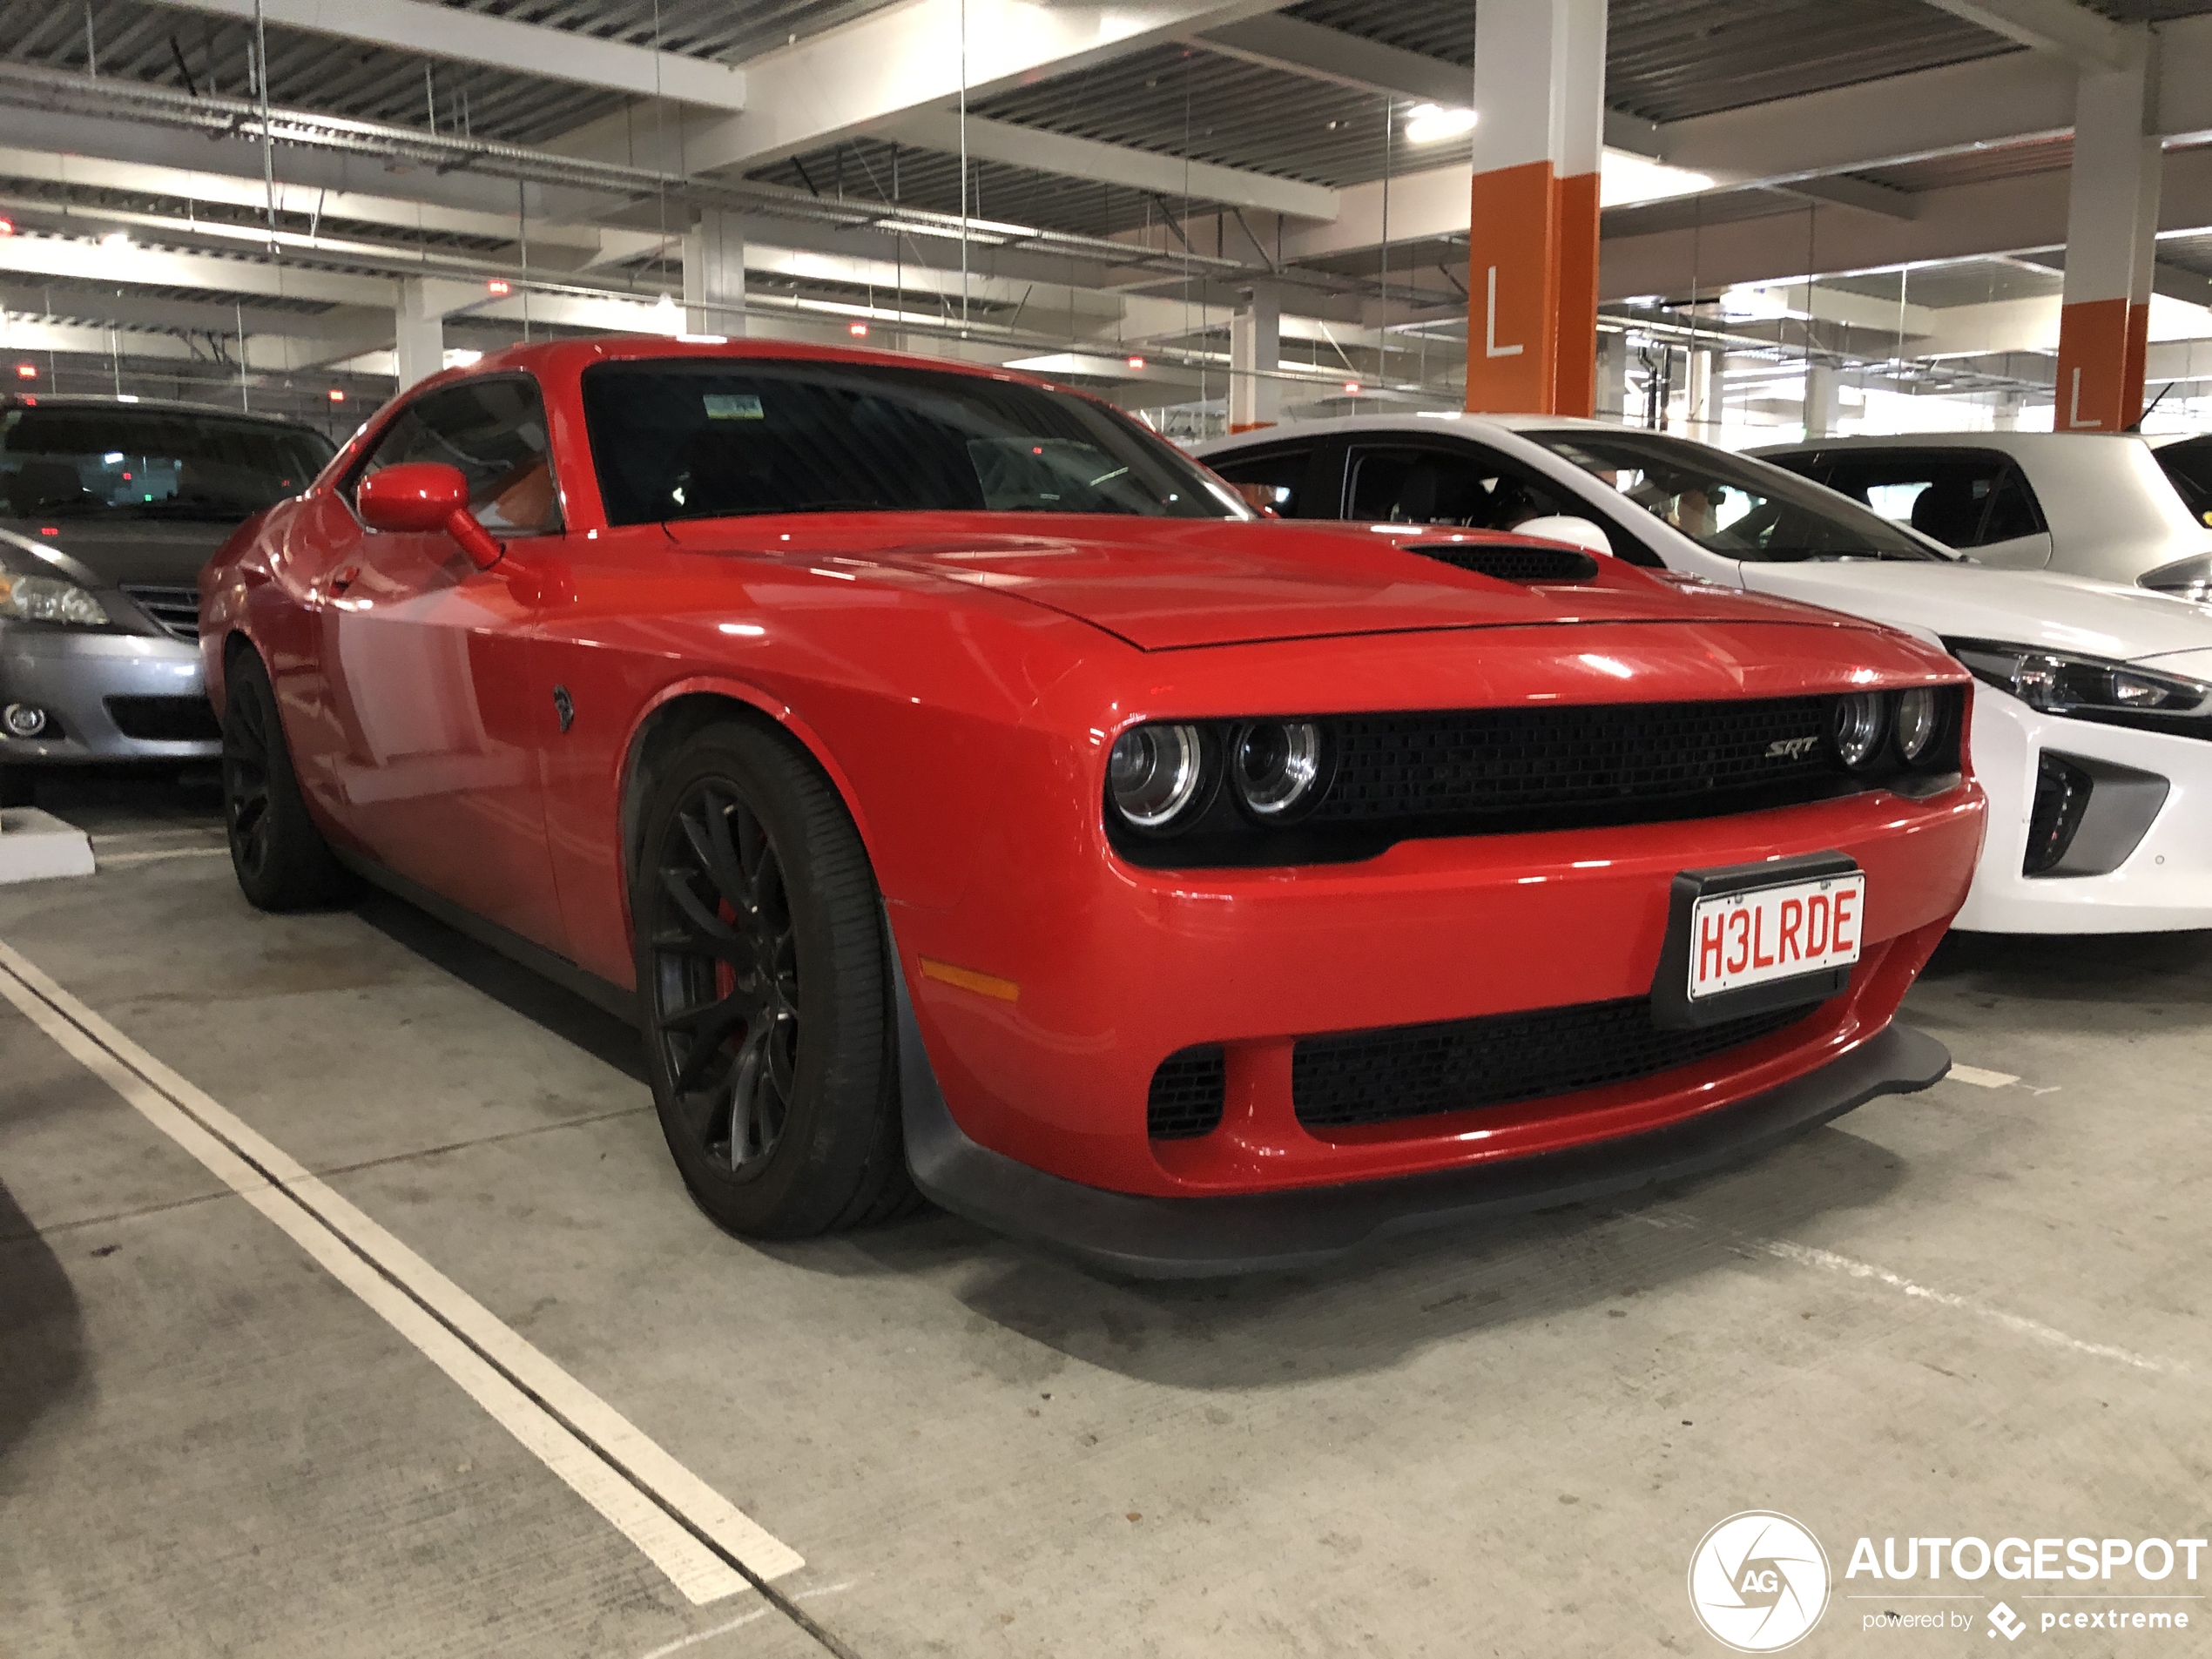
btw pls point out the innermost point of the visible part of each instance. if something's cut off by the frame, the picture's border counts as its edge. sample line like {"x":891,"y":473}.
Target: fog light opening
{"x":2062,"y":800}
{"x":23,"y":719}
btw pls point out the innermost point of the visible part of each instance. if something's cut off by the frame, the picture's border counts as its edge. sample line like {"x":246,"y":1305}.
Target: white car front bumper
{"x":2163,"y":885}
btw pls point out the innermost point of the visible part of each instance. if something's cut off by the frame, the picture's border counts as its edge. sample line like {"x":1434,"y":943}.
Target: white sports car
{"x":2123,"y":508}
{"x":2091,"y":729}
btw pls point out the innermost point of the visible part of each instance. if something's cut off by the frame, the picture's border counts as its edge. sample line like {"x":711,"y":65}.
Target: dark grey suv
{"x":108,"y":508}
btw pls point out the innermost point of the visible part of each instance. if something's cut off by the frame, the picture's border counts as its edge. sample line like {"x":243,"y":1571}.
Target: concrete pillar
{"x":2112,"y":222}
{"x":1612,"y":402}
{"x":1822,"y":404}
{"x":714,"y":275}
{"x":1255,"y":351}
{"x":419,"y":332}
{"x":1532,"y":253}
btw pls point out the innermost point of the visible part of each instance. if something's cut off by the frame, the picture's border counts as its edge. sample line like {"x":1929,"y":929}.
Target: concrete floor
{"x":1978,"y":1310}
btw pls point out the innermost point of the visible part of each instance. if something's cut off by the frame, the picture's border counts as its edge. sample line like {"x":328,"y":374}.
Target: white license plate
{"x":1740,"y":939}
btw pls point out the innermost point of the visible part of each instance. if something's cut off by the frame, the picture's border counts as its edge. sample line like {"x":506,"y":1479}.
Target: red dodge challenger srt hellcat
{"x":968,"y":793}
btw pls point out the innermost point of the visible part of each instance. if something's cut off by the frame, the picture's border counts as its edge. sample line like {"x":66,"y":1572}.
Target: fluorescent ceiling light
{"x":1432,"y":122}
{"x":1625,"y":179}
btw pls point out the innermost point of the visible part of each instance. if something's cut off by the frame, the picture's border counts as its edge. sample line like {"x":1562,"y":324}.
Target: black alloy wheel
{"x":725,"y":979}
{"x":245,"y":782}
{"x":764,"y":989}
{"x":280,"y":857}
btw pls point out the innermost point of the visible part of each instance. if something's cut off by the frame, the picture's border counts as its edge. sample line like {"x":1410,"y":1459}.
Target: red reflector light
{"x":858,"y":330}
{"x":1136,"y":362}
{"x":26,"y":371}
{"x":496,"y":287}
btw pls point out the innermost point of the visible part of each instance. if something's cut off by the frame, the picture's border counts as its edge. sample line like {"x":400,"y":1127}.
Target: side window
{"x":2012,"y":511}
{"x":1464,"y":486}
{"x":1273,"y":478}
{"x":1963,"y":498}
{"x":494,"y":431}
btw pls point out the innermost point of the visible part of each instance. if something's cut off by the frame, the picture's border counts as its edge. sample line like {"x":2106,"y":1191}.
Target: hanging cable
{"x":963,"y":168}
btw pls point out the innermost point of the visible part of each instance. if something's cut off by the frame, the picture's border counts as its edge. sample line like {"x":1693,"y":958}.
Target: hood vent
{"x":1508,"y":562}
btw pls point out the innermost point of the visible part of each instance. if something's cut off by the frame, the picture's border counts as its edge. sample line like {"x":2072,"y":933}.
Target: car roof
{"x":2009,"y":442}
{"x":164,"y":405}
{"x":1430,"y":421}
{"x":573,"y":356}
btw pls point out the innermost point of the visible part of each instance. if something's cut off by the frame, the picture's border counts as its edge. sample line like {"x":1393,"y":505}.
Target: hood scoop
{"x":1509,"y":561}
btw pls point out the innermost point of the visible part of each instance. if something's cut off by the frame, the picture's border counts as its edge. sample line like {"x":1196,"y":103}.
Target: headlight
{"x":1857,"y":724}
{"x":49,"y":598}
{"x":1276,"y":767}
{"x":1153,"y":773}
{"x":1919,"y":717}
{"x":2058,"y":683}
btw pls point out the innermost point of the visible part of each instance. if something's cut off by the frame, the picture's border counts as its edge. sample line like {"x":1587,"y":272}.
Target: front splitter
{"x":1146,"y":1237}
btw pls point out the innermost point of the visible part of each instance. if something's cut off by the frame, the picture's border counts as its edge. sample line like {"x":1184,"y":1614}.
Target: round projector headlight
{"x":1916,"y":722}
{"x":1153,"y":773}
{"x":1856,"y":724}
{"x":1275,"y":767}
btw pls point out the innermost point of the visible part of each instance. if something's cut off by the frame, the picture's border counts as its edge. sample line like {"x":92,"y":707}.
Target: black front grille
{"x":1415,"y":1070}
{"x":1186,"y":1094}
{"x":1635,"y":761}
{"x":175,"y":609}
{"x":165,"y":720}
{"x":1511,"y":564}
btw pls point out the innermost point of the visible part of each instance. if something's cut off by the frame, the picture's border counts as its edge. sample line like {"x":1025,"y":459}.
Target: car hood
{"x":112,"y":555}
{"x":2060,"y":613}
{"x":1179,"y":585}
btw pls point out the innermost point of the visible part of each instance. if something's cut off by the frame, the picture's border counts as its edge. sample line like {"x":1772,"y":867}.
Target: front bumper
{"x":1044,"y":1036}
{"x":72,"y":674}
{"x":2163,"y":885}
{"x":1147,"y":1237}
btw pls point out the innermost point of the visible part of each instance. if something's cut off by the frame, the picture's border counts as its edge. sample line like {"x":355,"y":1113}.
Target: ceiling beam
{"x":1114,"y":164}
{"x":245,"y":188}
{"x":1325,"y":54}
{"x":2061,"y":28}
{"x":56,"y":256}
{"x":860,"y":77}
{"x":425,"y":30}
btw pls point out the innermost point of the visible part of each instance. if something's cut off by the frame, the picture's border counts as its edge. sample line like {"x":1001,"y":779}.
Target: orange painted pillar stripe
{"x":1513,"y":290}
{"x":1574,"y":375}
{"x":2097,"y":392}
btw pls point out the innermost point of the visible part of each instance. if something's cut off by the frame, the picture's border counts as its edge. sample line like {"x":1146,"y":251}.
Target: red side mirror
{"x":422,"y":496}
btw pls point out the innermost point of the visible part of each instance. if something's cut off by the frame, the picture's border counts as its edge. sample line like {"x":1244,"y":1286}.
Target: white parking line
{"x":1979,"y":1078}
{"x":707,"y":1548}
{"x":107,"y":860}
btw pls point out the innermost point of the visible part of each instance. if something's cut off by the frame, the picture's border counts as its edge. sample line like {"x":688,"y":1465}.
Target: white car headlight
{"x":49,"y":598}
{"x":2061,"y":683}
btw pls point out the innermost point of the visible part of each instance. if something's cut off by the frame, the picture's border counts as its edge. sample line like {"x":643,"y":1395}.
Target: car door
{"x":1976,"y":501}
{"x":435,"y":746}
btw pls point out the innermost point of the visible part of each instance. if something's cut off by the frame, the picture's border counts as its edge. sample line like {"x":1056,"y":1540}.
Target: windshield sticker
{"x":731,"y":406}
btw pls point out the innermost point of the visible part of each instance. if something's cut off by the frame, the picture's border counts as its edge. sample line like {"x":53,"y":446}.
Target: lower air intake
{"x":1186,"y":1094}
{"x":1417,"y":1070}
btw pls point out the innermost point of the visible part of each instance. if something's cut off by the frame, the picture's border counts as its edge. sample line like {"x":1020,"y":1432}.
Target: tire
{"x":19,"y":787}
{"x":764,"y":991}
{"x":280,"y":858}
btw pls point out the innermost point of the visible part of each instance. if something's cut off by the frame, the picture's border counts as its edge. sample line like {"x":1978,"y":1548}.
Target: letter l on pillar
{"x":1531,"y":278}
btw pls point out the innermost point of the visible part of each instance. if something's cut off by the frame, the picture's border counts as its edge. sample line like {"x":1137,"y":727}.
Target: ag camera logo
{"x":1758,"y":1581}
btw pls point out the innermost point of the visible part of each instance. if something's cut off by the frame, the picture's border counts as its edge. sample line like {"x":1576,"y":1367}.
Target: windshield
{"x":721,"y":437}
{"x":65,"y":462}
{"x":1730,"y":504}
